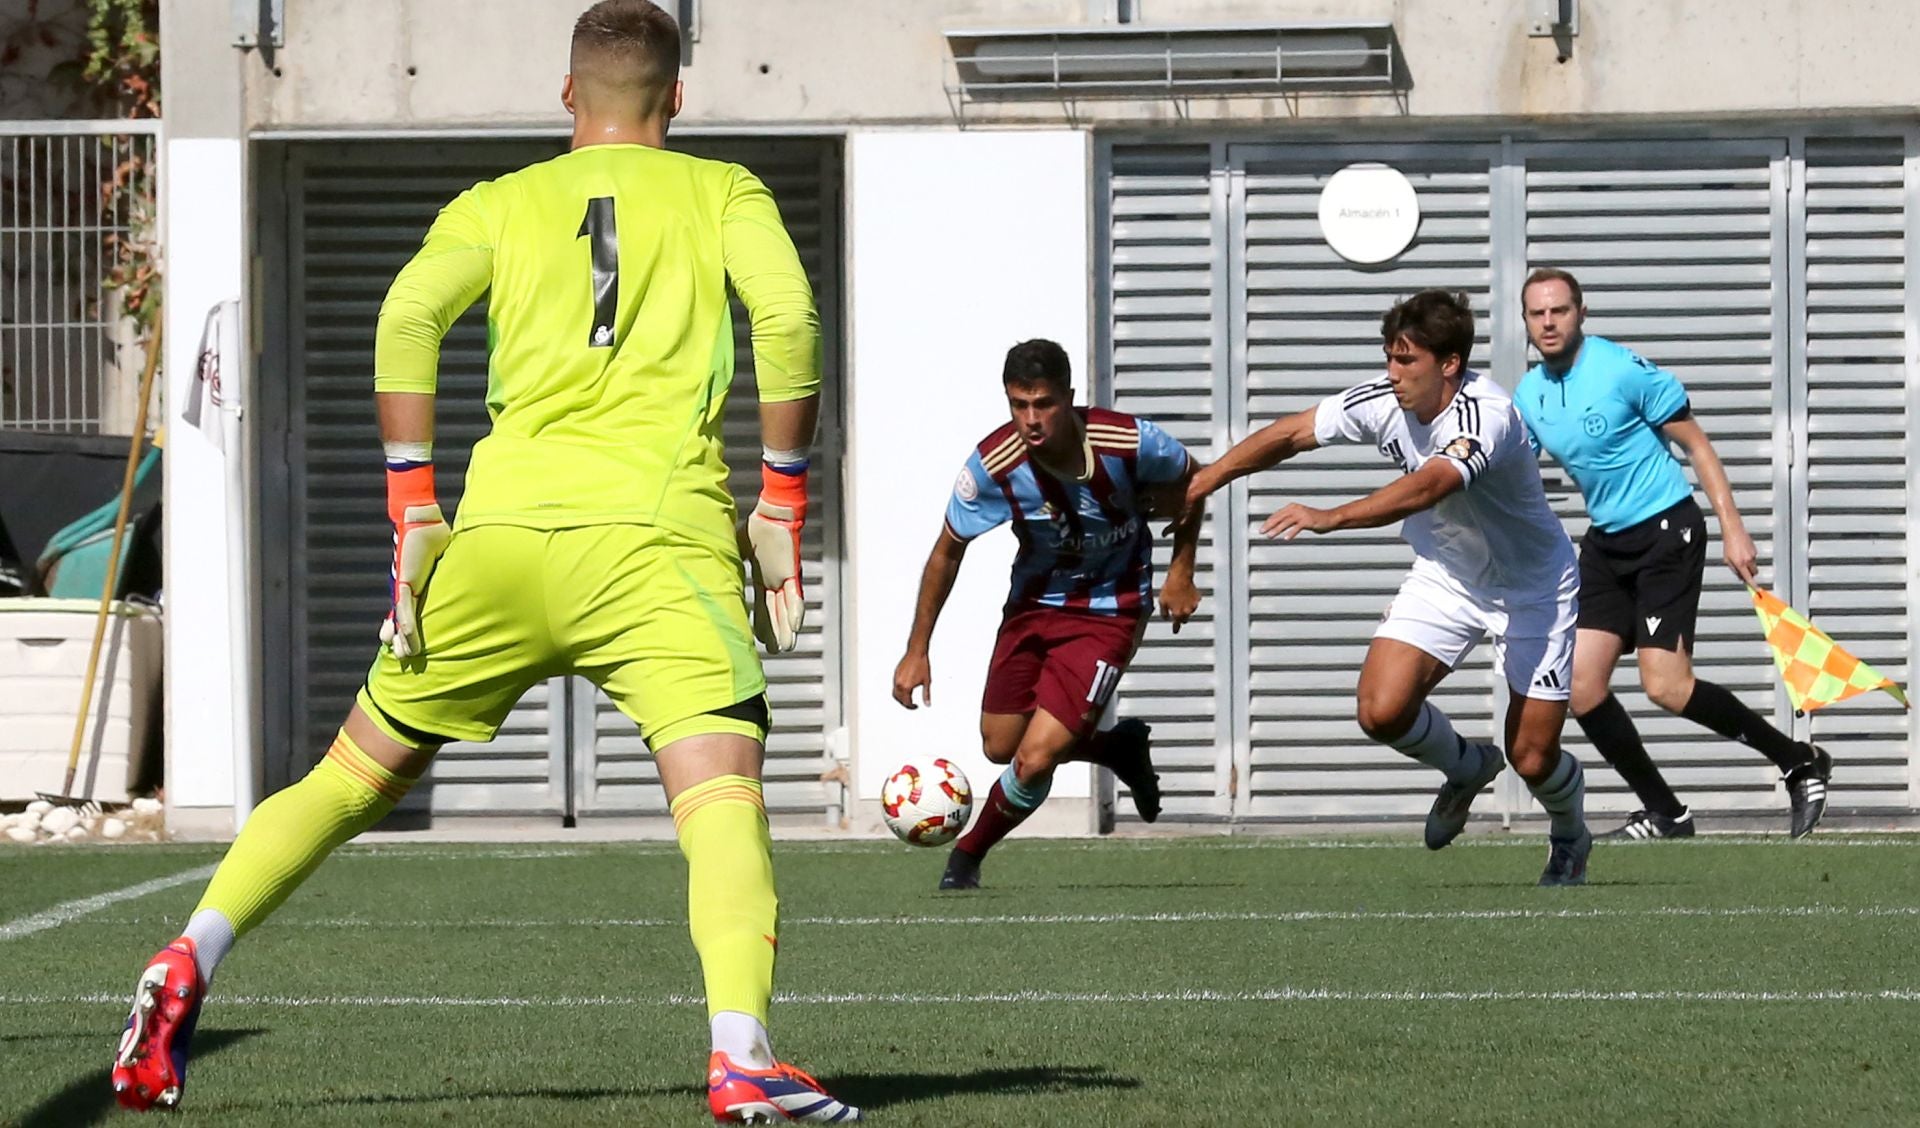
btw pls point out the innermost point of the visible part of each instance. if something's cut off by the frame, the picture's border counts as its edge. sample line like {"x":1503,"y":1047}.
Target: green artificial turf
{"x":1102,"y":983}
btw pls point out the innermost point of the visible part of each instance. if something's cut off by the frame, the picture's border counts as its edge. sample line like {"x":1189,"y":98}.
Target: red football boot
{"x":738,"y":1094}
{"x":151,"y":1065}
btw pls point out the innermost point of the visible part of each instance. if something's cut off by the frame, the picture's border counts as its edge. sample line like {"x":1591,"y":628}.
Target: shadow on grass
{"x":466,"y":1096}
{"x":1608,"y":881}
{"x":88,"y":1099}
{"x":1172,"y":883}
{"x":867,"y":1090}
{"x":878,"y":1090}
{"x":4,"y":1038}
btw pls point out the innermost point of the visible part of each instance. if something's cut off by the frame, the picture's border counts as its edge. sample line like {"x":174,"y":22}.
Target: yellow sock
{"x":288,"y":836}
{"x":731,"y":907}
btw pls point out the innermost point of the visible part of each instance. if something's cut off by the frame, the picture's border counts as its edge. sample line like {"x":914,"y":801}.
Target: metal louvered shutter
{"x":1856,"y":432}
{"x":357,"y":212}
{"x":1680,"y":250}
{"x":1311,"y":323}
{"x":1165,"y":362}
{"x":617,"y":774}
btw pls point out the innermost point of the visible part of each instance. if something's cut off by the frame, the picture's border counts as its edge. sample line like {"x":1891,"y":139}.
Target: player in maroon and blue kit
{"x":1077,"y":484}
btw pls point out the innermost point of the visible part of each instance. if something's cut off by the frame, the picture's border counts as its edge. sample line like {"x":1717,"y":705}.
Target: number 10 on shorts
{"x":1105,"y":677}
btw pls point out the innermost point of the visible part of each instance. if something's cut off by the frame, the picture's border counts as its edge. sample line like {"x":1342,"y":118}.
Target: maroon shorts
{"x":1066,"y":662}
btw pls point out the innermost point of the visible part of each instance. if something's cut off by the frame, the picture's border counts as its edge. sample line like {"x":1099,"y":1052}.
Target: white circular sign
{"x":1368,"y":212}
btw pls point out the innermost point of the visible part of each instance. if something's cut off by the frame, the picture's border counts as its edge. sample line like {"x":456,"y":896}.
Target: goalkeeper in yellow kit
{"x":595,"y":537}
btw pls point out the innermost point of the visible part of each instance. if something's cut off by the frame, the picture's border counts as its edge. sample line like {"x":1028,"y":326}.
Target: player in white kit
{"x":1490,"y":560}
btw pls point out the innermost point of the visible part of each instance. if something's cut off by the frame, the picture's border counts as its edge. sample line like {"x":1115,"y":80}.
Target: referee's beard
{"x":1564,"y":356}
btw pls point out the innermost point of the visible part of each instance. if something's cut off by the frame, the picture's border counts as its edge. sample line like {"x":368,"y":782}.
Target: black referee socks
{"x":1611,"y":730}
{"x":1714,"y":707}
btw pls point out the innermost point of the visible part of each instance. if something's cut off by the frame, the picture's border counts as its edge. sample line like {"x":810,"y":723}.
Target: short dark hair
{"x":1552,"y":274}
{"x":1439,"y":321}
{"x":626,"y":51}
{"x":1038,"y":361}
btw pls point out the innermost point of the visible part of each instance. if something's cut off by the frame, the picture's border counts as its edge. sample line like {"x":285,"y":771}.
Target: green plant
{"x":123,"y":53}
{"x":123,"y":62}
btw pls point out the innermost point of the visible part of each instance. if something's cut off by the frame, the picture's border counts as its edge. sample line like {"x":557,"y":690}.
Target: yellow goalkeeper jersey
{"x":609,"y":339}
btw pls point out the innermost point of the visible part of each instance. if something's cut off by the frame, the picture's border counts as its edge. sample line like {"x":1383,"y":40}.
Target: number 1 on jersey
{"x":598,"y":224}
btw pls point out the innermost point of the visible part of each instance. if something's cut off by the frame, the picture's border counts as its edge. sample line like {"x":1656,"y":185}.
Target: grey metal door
{"x":1309,"y":326}
{"x":1163,"y":356}
{"x":614,"y":773}
{"x":1681,"y":249}
{"x":354,"y":212}
{"x":1768,"y":273}
{"x":1856,"y":337}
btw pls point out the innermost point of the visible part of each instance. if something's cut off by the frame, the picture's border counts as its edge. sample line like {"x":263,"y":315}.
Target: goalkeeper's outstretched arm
{"x":936,"y":583}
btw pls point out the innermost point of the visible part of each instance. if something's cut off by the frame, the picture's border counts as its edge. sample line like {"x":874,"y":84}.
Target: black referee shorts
{"x":1643,"y":582}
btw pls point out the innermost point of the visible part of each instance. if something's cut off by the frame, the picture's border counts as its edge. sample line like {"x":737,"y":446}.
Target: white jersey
{"x":1496,"y":538}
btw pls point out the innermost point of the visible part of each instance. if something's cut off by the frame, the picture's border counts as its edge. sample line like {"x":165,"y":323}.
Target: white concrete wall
{"x":960,"y":245}
{"x":828,"y":62}
{"x":204,"y":210}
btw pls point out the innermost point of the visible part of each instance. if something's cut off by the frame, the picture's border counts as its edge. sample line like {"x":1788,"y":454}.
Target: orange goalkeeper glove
{"x":420,"y":535}
{"x":771,"y":536}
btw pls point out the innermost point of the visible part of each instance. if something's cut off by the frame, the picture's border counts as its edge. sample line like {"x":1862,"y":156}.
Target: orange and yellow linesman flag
{"x":1817,"y":670}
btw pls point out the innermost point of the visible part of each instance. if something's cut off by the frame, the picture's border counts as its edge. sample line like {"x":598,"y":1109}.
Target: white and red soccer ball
{"x":927,"y":802}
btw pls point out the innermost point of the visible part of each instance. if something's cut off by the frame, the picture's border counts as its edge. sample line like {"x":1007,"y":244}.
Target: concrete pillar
{"x":960,"y":245}
{"x":204,"y":210}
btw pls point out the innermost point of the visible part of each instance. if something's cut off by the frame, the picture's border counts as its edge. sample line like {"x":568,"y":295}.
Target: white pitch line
{"x":1528,"y":840}
{"x":446,"y":851}
{"x":72,"y":910}
{"x":1196,"y":995}
{"x":1300,"y":916}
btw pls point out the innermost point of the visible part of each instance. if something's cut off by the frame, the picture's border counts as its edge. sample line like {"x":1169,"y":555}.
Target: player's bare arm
{"x":1402,"y":498}
{"x":1264,"y":449}
{"x":1736,"y":546}
{"x":915,"y":670}
{"x":1179,"y":598}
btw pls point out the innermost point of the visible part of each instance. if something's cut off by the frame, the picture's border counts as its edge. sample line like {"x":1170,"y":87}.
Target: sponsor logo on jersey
{"x":1115,"y":535}
{"x":965,"y":486}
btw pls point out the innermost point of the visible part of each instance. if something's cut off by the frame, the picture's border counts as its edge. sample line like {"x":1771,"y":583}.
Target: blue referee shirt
{"x":1600,"y":420}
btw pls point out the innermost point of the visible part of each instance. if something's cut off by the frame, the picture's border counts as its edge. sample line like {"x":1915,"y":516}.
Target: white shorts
{"x":1532,"y":641}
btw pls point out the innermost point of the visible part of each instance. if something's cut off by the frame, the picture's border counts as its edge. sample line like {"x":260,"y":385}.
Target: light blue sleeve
{"x":1162,"y":458}
{"x":1654,"y":392}
{"x":1520,"y":393}
{"x":977,"y":505}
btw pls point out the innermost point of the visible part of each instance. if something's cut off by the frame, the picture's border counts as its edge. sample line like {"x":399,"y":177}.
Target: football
{"x":927,"y":802}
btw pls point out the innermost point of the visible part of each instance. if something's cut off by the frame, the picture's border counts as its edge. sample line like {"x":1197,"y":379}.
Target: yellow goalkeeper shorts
{"x":657,"y":621}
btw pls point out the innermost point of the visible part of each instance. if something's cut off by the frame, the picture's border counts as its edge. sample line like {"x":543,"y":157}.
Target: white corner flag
{"x":213,"y":402}
{"x":214,"y":408}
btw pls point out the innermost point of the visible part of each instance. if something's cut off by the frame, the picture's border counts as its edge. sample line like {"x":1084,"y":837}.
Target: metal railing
{"x":69,"y":359}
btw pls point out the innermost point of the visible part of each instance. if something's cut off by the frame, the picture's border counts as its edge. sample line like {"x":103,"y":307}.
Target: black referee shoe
{"x":1807,"y":791}
{"x":1644,"y":826}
